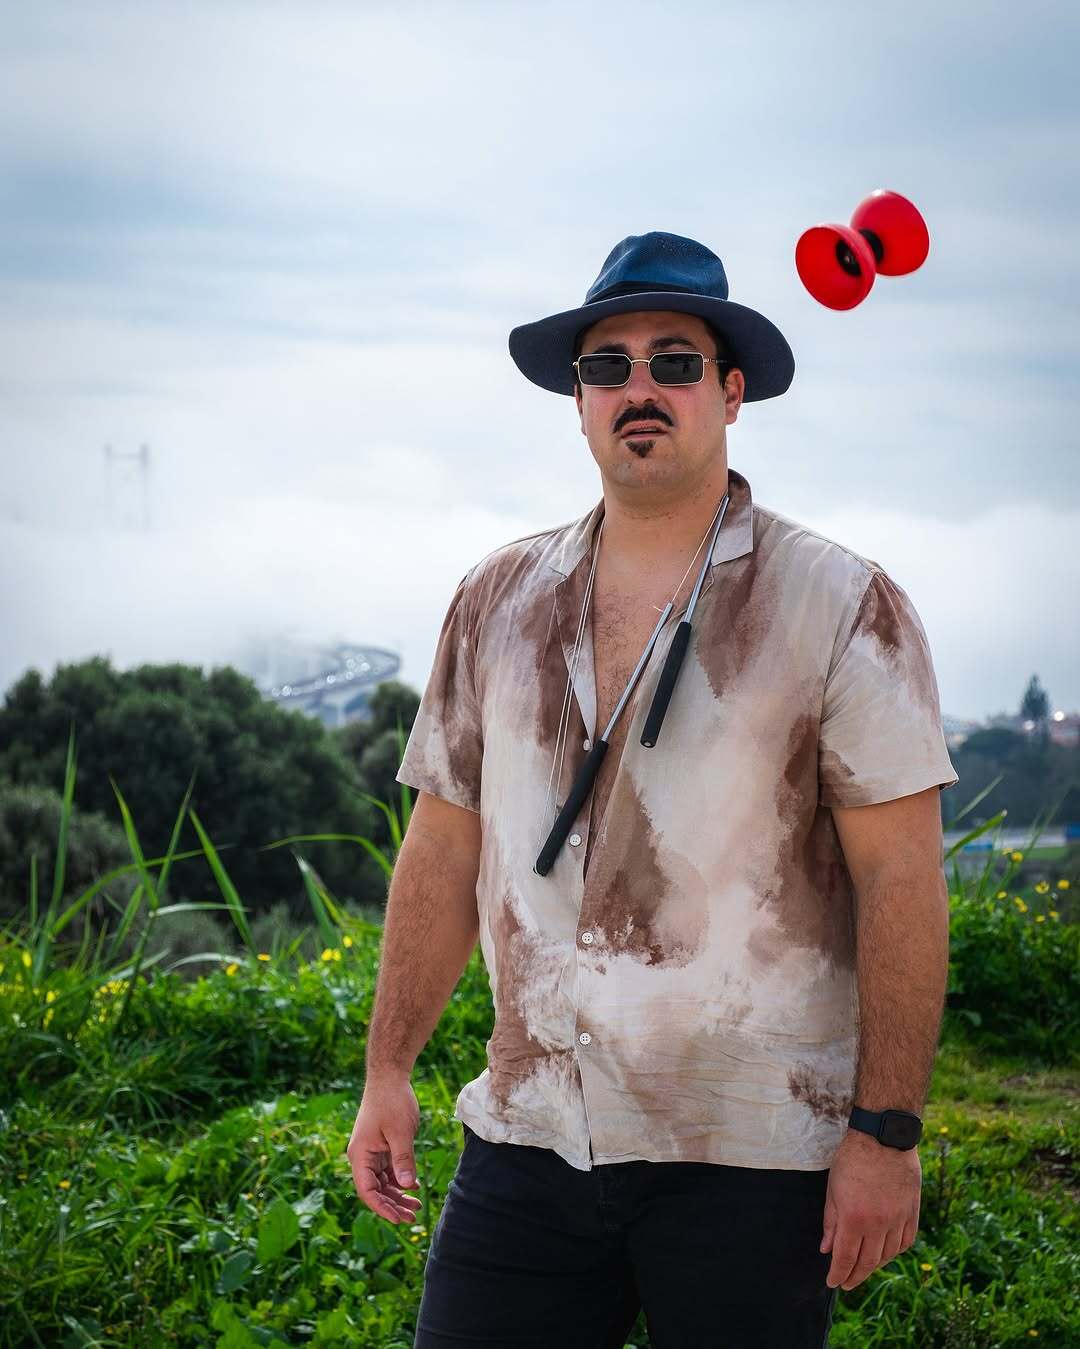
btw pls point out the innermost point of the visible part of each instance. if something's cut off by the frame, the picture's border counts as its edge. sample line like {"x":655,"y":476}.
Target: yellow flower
{"x":1002,"y":894}
{"x":327,"y":954}
{"x":1063,"y":884}
{"x":1053,"y":913}
{"x":346,"y":941}
{"x":21,"y":1175}
{"x":51,"y":995}
{"x":1020,"y":904}
{"x":944,"y":1129}
{"x":984,"y":1124}
{"x":65,"y":1184}
{"x":414,"y":1237}
{"x":1033,"y":1333}
{"x":1040,"y":918}
{"x":925,"y":1265}
{"x":1017,"y":856}
{"x":262,"y":956}
{"x":1042,"y":887}
{"x":231,"y":969}
{"x":26,"y":959}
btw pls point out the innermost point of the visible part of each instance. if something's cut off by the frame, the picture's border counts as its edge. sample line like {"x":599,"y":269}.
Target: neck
{"x":652,"y":534}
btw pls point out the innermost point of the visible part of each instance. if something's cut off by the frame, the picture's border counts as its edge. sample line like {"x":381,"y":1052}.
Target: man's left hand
{"x":871,"y":1207}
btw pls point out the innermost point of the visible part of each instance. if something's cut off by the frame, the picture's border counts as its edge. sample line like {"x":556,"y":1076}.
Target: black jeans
{"x":529,"y":1252}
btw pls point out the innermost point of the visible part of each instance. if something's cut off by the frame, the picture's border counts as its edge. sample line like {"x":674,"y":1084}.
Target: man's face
{"x":688,"y":421}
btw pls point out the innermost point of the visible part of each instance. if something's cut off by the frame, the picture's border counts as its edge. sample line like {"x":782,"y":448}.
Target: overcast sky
{"x":284,"y":244}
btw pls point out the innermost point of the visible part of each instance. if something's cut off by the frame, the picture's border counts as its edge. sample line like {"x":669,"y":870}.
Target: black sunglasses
{"x":612,"y":368}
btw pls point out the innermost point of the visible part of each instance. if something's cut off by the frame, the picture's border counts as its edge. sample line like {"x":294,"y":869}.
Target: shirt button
{"x":586,"y":744}
{"x":587,"y":937}
{"x":584,"y":1037}
{"x":575,"y":839}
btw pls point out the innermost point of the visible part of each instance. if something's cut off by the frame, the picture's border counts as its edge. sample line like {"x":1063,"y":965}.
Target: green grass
{"x":172,"y":1164}
{"x":232,"y":1219}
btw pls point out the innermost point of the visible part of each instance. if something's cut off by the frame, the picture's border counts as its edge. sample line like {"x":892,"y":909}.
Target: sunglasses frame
{"x":648,"y":360}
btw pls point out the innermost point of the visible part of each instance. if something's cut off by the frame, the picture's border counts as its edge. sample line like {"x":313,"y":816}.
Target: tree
{"x":1035,"y":705}
{"x":374,"y":747}
{"x":262,"y":773}
{"x":30,"y":825}
{"x":1034,"y":774}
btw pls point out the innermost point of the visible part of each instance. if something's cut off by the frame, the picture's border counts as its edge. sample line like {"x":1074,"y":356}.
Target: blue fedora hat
{"x":658,"y":271}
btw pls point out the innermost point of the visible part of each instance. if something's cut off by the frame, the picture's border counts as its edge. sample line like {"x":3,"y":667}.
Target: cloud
{"x":283,"y":245}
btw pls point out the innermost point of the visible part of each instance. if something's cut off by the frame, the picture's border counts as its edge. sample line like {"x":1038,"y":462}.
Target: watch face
{"x":900,"y":1131}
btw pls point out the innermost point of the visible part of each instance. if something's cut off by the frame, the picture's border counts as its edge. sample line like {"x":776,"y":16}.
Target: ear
{"x":734,"y":392}
{"x":578,"y":401}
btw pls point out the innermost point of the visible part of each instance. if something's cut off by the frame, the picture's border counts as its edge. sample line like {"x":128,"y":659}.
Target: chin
{"x":640,"y":447}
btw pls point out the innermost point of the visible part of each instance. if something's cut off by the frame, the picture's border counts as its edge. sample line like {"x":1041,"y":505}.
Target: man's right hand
{"x":380,"y":1150}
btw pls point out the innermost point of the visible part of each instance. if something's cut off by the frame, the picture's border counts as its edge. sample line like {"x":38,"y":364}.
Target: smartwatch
{"x":894,"y":1128}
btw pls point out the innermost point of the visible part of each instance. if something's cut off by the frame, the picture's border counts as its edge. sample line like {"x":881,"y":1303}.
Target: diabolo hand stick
{"x":838,"y":263}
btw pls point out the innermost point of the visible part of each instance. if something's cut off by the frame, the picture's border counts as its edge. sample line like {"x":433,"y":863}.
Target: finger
{"x":893,"y":1241}
{"x":370,"y":1189}
{"x":845,"y":1253}
{"x":908,"y":1238}
{"x":404,"y":1168}
{"x":400,"y":1213}
{"x":868,"y":1261}
{"x":407,"y":1203}
{"x":383,"y":1206}
{"x":389,"y":1186}
{"x":394,"y":1175}
{"x":410,"y":1201}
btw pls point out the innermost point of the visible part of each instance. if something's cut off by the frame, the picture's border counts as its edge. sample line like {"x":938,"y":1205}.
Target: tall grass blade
{"x":174,"y":838}
{"x":89,"y":893}
{"x":365,"y":843}
{"x":42,"y":933}
{"x":225,"y":884}
{"x":406,"y":796}
{"x":316,"y":894}
{"x":135,"y":846}
{"x":975,"y":833}
{"x":977,"y":798}
{"x":33,"y":892}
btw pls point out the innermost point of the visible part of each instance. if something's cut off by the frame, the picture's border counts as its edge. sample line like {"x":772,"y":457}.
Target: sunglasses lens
{"x":608,"y":368}
{"x":677,"y":367}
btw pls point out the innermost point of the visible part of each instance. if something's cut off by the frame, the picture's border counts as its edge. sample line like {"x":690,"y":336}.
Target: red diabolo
{"x":837,"y":263}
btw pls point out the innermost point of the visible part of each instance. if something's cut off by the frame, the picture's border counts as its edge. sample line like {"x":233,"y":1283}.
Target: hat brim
{"x":544,"y":351}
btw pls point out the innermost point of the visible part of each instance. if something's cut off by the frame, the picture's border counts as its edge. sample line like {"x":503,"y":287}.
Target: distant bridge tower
{"x":127,"y":488}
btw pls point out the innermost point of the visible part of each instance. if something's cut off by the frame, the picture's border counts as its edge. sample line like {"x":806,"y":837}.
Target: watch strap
{"x":894,"y":1128}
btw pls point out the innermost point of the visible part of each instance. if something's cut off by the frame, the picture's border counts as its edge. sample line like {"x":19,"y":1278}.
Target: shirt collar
{"x":735,"y":539}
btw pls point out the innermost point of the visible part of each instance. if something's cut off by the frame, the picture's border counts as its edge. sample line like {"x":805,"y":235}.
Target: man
{"x":717,"y":1006}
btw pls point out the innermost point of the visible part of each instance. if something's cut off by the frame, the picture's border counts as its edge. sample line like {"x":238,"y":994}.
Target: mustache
{"x":646,"y":415}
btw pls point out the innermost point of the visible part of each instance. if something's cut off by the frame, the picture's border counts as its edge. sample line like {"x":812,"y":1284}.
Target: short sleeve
{"x":881,"y":735}
{"x":445,"y":749}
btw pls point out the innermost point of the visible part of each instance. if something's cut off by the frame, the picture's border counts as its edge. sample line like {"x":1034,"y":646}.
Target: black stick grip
{"x":573,"y":803}
{"x":665,"y":685}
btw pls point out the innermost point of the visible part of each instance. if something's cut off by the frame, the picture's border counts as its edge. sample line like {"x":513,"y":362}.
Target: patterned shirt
{"x":680,"y":986}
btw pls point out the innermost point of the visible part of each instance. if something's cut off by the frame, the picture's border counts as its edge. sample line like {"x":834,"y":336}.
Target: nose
{"x":640,"y":386}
